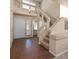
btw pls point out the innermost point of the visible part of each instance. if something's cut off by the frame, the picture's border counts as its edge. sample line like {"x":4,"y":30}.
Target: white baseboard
{"x":52,"y":52}
{"x":59,"y":54}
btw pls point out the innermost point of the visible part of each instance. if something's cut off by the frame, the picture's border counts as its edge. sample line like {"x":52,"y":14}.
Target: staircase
{"x":49,"y":22}
{"x":45,"y":41}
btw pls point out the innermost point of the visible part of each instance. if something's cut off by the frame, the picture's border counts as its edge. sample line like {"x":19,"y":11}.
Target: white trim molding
{"x":59,"y":54}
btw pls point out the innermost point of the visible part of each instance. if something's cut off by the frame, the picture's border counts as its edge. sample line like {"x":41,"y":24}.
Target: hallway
{"x":28,"y":49}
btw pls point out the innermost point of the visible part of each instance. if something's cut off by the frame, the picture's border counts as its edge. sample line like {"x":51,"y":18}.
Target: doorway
{"x":35,"y":27}
{"x":28,"y":28}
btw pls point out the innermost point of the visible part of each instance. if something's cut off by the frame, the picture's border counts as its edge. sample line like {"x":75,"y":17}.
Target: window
{"x":63,"y":11}
{"x":29,"y":2}
{"x":25,"y":6}
{"x":27,"y":25}
{"x":25,"y":1}
{"x":40,"y":24}
{"x":35,"y":25}
{"x":32,"y":8}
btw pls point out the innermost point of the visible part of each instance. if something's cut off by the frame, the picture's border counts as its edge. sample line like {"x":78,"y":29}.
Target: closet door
{"x":19,"y":26}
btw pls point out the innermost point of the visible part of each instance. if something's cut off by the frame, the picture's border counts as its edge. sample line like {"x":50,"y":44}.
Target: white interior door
{"x":19,"y":26}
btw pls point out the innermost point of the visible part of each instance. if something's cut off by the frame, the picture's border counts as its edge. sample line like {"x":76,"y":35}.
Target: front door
{"x":28,"y":32}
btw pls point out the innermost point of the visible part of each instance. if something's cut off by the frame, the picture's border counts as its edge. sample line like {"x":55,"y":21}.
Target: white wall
{"x":61,"y":45}
{"x":19,"y":26}
{"x":55,"y":8}
{"x":59,"y":38}
{"x":58,"y":46}
{"x":59,"y":27}
{"x":51,"y":7}
{"x":11,"y":23}
{"x":11,"y":28}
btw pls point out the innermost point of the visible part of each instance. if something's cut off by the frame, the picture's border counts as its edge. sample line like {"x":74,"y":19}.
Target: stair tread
{"x":45,"y":45}
{"x":46,"y":38}
{"x":47,"y":41}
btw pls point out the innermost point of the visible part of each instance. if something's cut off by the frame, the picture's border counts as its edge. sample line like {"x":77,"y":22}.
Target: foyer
{"x":39,"y":29}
